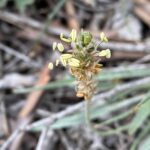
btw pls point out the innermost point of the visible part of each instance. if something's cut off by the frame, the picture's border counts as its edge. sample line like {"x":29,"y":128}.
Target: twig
{"x":14,"y":80}
{"x":41,"y":140}
{"x":13,"y":52}
{"x":140,"y":47}
{"x":50,"y":140}
{"x":105,"y":7}
{"x":17,"y":54}
{"x":32,"y":101}
{"x":127,"y":47}
{"x":4,"y":117}
{"x":23,"y":21}
{"x":10,"y":139}
{"x":34,"y":97}
{"x":116,"y":46}
{"x":130,"y":47}
{"x":45,"y":28}
{"x":15,"y":134}
{"x":65,"y":141}
{"x":72,"y":22}
{"x":142,"y":14}
{"x":47,"y":140}
{"x":142,"y":60}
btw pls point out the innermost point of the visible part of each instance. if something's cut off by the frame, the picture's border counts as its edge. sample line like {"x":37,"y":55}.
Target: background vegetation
{"x":39,"y":109}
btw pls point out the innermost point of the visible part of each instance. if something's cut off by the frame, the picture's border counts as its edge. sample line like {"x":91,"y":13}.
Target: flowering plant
{"x":82,"y":60}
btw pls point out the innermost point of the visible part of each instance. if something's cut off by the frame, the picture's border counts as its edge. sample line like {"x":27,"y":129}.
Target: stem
{"x":87,"y":113}
{"x":93,"y":127}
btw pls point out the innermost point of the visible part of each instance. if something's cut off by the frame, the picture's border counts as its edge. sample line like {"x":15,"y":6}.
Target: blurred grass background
{"x":38,"y":107}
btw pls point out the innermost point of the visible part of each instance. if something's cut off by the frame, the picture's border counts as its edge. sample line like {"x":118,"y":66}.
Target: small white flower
{"x":54,"y":46}
{"x":103,"y":37}
{"x":105,"y":53}
{"x":73,"y":35}
{"x":50,"y":66}
{"x":60,"y":47}
{"x":57,"y":62}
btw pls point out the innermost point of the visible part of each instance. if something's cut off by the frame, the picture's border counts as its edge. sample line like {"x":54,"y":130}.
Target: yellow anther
{"x":57,"y":62}
{"x":54,"y":46}
{"x":66,"y":56}
{"x":64,"y":39}
{"x":73,"y":35}
{"x":103,"y":37}
{"x":60,"y":47}
{"x":73,"y":62}
{"x":50,"y":66}
{"x":105,"y":53}
{"x":108,"y":53}
{"x":63,"y":61}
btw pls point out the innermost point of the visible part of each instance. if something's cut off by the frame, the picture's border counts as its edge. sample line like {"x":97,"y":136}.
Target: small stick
{"x":15,"y":134}
{"x":42,"y":139}
{"x":72,"y":22}
{"x":17,"y":54}
{"x":4,"y":116}
{"x":31,"y":103}
{"x":142,"y":14}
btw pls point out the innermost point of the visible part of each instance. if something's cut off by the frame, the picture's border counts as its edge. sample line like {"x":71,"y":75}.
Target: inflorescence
{"x":82,"y":60}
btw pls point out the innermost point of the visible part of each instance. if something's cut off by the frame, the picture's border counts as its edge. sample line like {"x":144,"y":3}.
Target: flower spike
{"x":82,"y":60}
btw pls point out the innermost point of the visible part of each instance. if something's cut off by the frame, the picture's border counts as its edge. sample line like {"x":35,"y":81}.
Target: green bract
{"x":85,"y":38}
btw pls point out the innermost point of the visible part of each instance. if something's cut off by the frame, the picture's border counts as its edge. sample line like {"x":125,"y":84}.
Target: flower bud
{"x":85,"y":38}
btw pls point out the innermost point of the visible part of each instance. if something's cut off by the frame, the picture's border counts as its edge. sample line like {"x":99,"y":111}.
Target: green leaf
{"x":22,"y":4}
{"x":78,"y":118}
{"x":122,"y":73}
{"x":141,"y":115}
{"x":3,"y":3}
{"x":105,"y":75}
{"x":145,"y":145}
